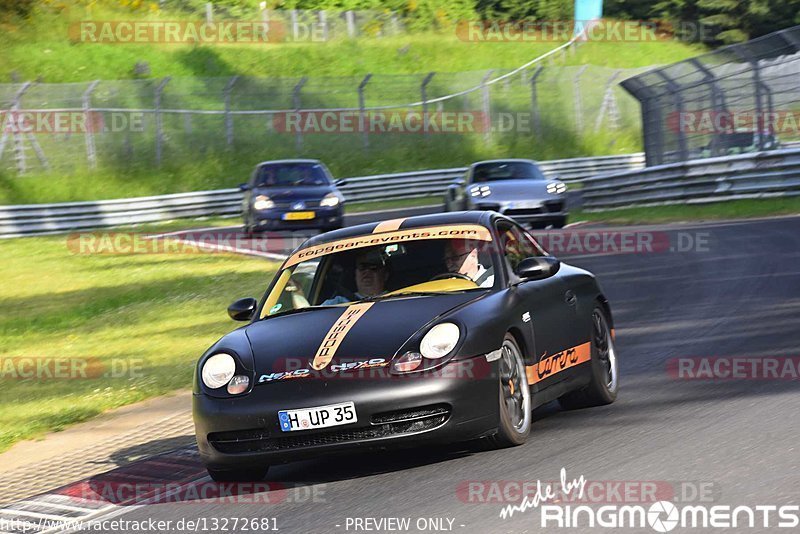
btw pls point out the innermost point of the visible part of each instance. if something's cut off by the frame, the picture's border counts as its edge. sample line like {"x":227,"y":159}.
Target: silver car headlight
{"x":440,"y":341}
{"x":263,"y":202}
{"x":218,"y":370}
{"x":330,"y":200}
{"x":556,"y":188}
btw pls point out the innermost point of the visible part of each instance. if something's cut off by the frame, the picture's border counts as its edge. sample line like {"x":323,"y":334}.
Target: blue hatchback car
{"x":292,"y":194}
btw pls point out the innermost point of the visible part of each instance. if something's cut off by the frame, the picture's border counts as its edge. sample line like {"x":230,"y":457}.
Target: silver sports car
{"x":517,"y":188}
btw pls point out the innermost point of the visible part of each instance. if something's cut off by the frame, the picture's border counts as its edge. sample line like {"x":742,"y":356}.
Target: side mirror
{"x":243,"y":309}
{"x":339,"y":183}
{"x":459,"y":181}
{"x":538,"y":267}
{"x":243,"y":187}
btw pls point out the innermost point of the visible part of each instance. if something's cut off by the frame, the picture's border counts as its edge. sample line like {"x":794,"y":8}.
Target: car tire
{"x":514,"y":425}
{"x":252,"y":474}
{"x":560,"y":223}
{"x":604,"y":384}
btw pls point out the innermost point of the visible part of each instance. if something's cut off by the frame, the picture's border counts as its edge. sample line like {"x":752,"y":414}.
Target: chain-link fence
{"x":68,"y":127}
{"x":740,"y":98}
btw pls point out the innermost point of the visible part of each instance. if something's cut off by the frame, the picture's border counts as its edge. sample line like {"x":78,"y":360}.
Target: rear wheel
{"x":605,"y":368}
{"x":515,"y":397}
{"x":252,"y":474}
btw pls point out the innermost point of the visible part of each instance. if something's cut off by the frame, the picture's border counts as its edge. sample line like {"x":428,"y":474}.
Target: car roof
{"x":483,"y":218}
{"x":284,"y":161}
{"x":507,"y":160}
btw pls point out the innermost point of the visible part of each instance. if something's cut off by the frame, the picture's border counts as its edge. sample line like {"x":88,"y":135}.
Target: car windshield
{"x":506,"y":170}
{"x":399,"y":264}
{"x":291,"y":175}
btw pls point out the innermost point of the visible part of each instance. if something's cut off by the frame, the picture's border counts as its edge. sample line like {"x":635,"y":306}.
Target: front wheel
{"x":252,"y":474}
{"x":602,"y":389}
{"x":515,"y":397}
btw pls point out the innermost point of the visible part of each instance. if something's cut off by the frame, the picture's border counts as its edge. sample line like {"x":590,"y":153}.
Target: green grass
{"x":734,"y":209}
{"x":40,"y":47}
{"x":157,"y":312}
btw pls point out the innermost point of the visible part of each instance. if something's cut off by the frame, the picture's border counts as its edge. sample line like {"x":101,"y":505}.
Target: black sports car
{"x":292,"y":194}
{"x":428,"y":329}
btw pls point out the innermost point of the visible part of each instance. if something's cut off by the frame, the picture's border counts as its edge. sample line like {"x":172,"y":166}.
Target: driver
{"x":461,"y":257}
{"x":371,"y":276}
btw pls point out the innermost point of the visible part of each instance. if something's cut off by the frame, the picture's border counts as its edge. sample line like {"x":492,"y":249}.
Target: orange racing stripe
{"x":337,"y":333}
{"x":388,"y":226}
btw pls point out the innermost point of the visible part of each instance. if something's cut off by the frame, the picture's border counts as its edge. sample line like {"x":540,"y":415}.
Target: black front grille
{"x":554,"y":206}
{"x":384,"y":425}
{"x":522,"y":212}
{"x":412,"y":414}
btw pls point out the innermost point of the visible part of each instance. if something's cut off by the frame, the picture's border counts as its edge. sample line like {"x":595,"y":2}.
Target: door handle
{"x":570,"y":298}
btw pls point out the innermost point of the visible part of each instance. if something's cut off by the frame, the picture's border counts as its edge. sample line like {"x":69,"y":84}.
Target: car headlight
{"x":330,"y":200}
{"x":556,"y":188}
{"x":480,"y":191}
{"x":218,"y":370}
{"x":439,"y":341}
{"x":263,"y":202}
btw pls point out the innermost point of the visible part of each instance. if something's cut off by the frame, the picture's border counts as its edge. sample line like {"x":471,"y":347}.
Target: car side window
{"x":516,"y":245}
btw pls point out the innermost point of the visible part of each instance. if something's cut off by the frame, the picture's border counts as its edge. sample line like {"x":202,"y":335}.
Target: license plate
{"x":525,"y":204}
{"x":319,"y":417}
{"x":298,"y":216}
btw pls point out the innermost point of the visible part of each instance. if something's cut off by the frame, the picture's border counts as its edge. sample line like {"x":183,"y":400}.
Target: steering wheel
{"x":445,"y":276}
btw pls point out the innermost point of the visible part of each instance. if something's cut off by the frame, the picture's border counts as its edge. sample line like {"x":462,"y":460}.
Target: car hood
{"x":509,"y":190}
{"x":290,"y":342}
{"x":289,"y":194}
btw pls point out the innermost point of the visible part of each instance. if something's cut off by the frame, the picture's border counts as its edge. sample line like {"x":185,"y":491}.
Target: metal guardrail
{"x":755,"y":175}
{"x":31,"y":219}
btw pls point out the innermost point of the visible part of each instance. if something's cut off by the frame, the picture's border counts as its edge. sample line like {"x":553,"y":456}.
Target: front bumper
{"x":455,"y":405}
{"x":530,"y":212}
{"x":275,"y":219}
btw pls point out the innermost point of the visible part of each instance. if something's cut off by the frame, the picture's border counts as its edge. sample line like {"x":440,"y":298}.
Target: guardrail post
{"x":362,"y":111}
{"x":351,"y":23}
{"x":228,"y":117}
{"x":159,"y":124}
{"x":91,"y":154}
{"x":298,"y":136}
{"x":209,"y":13}
{"x":423,"y":89}
{"x":486,"y":106}
{"x":578,"y":100}
{"x":323,"y":21}
{"x":537,"y":125}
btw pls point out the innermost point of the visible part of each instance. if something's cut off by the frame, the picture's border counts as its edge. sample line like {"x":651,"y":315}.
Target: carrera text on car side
{"x":430,"y":329}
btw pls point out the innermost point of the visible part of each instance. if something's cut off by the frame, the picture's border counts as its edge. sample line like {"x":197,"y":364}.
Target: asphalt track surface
{"x":735,"y":441}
